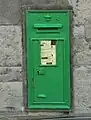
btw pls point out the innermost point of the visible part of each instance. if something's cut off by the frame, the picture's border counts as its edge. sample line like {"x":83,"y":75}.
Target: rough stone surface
{"x":10,"y":11}
{"x":82,"y":58}
{"x":27,"y":2}
{"x":10,"y":46}
{"x":81,"y":55}
{"x":88,"y":32}
{"x":82,"y":11}
{"x":82,"y":90}
{"x":78,"y":32}
{"x":10,"y":74}
{"x":81,"y":51}
{"x":11,"y":96}
{"x":73,"y":3}
{"x":88,"y":29}
{"x":80,"y":45}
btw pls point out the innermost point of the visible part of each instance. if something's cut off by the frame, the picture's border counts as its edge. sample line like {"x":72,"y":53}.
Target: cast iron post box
{"x":48,"y":59}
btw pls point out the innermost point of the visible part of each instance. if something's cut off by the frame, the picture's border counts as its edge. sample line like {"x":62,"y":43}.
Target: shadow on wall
{"x":10,"y":10}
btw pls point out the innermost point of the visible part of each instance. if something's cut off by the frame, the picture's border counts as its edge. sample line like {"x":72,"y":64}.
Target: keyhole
{"x":38,"y":71}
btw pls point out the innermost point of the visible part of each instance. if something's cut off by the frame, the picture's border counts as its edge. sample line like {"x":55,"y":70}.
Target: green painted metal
{"x":48,"y":85}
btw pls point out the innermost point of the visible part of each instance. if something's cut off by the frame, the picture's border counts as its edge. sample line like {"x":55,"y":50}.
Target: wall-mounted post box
{"x":48,"y":59}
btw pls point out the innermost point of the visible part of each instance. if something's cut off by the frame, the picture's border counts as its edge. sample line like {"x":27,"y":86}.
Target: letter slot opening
{"x":49,"y":28}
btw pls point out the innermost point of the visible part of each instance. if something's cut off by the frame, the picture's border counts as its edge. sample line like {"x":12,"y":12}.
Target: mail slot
{"x":48,"y":59}
{"x":48,"y":28}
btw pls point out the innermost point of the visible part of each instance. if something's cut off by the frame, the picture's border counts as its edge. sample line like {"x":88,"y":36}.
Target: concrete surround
{"x":11,"y":80}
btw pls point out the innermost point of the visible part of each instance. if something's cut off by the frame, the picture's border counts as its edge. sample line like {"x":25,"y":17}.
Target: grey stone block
{"x":10,"y":74}
{"x":10,"y":11}
{"x":82,"y":12}
{"x":88,"y":32}
{"x":82,"y":90}
{"x":73,"y":3}
{"x":45,"y":114}
{"x":78,"y":32}
{"x":27,"y":2}
{"x":81,"y":51}
{"x":10,"y":46}
{"x":79,"y":45}
{"x":82,"y":58}
{"x":11,"y":96}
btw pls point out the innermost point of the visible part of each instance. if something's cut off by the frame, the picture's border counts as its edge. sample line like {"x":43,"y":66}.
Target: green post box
{"x":48,"y":59}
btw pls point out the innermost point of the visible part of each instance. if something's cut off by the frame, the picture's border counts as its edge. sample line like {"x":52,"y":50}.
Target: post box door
{"x":48,"y":74}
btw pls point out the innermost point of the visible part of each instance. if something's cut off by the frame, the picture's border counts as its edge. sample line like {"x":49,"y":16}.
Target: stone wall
{"x":11,"y":90}
{"x":82,"y":56}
